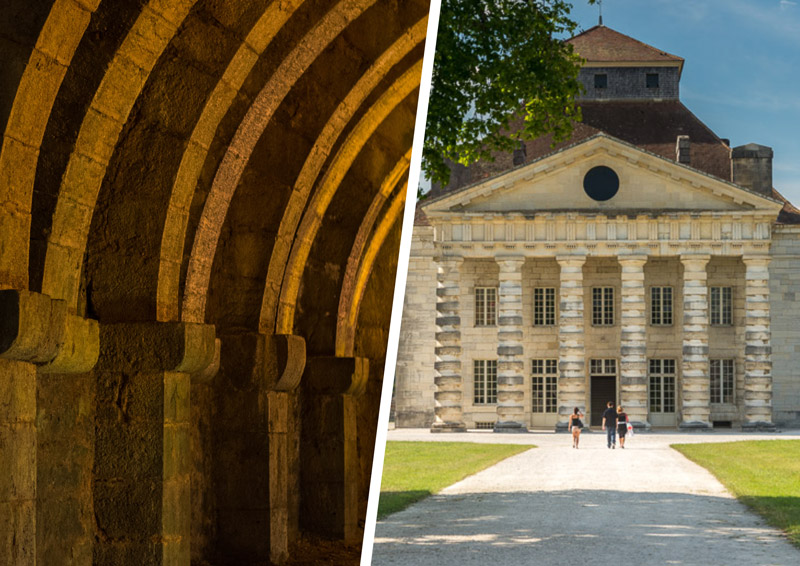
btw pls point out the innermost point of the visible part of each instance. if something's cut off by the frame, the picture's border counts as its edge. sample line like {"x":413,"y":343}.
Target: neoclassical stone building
{"x":644,"y":261}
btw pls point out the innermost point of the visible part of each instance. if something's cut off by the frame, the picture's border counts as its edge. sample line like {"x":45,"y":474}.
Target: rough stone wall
{"x":630,"y":83}
{"x":784,"y":276}
{"x":414,"y":387}
{"x":65,"y":415}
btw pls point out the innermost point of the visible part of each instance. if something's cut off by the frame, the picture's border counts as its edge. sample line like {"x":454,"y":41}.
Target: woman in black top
{"x":575,"y":426}
{"x":622,"y":425}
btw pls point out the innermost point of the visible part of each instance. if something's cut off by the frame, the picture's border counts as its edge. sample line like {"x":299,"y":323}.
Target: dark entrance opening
{"x":604,"y":389}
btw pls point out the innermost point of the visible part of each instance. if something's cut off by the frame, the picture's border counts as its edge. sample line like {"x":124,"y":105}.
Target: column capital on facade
{"x":573,"y":260}
{"x":756,"y":260}
{"x":510,"y":262}
{"x":632,"y":259}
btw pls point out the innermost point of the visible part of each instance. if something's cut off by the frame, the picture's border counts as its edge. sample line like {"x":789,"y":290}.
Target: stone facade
{"x":726,"y":262}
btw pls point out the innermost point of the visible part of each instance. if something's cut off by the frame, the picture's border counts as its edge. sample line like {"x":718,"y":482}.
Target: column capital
{"x":571,"y":260}
{"x":510,"y":264}
{"x":756,"y":260}
{"x":632,"y":260}
{"x":156,"y":346}
{"x":38,"y":329}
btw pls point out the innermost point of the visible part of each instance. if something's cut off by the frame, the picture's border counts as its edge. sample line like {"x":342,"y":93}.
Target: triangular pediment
{"x":648,"y":183}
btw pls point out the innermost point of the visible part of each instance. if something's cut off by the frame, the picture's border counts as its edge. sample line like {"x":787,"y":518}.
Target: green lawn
{"x":763,"y":474}
{"x":415,"y":470}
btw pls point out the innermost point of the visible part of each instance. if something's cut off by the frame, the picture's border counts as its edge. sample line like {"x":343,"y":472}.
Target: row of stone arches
{"x":200,"y":209}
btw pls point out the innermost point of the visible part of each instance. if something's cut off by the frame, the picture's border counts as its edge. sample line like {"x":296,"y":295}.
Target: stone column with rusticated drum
{"x":758,"y":346}
{"x":571,"y":345}
{"x":142,"y":469}
{"x":633,"y":342}
{"x":45,"y":448}
{"x":253,"y":452}
{"x":329,"y":471}
{"x":448,"y":378}
{"x":695,"y":390}
{"x":510,"y":364}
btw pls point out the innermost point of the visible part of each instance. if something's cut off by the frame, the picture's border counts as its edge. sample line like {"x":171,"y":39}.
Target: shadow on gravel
{"x":394,"y":501}
{"x":565,"y":526}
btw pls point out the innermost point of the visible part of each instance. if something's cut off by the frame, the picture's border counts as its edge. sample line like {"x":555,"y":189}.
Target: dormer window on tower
{"x":651,"y":81}
{"x":600,"y":80}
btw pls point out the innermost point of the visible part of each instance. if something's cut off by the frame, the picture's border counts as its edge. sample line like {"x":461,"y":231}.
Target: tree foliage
{"x":498,"y":61}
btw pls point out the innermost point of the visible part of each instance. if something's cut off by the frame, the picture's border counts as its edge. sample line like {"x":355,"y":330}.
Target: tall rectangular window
{"x":651,"y":80}
{"x":662,"y":386}
{"x":602,"y":306}
{"x":544,"y":306}
{"x":544,"y":380}
{"x":485,"y":306}
{"x":722,"y":381}
{"x":484,"y":375}
{"x":721,"y":306}
{"x":661,"y":306}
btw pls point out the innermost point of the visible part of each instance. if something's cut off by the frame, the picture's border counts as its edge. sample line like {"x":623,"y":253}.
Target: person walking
{"x":575,"y":426}
{"x":610,"y":425}
{"x":622,"y":425}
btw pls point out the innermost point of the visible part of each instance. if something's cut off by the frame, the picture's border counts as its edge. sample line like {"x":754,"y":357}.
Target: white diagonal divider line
{"x":400,"y":283}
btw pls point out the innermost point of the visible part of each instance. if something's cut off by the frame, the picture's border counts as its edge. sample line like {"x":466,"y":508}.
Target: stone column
{"x":38,"y":337}
{"x":633,"y":342}
{"x":571,"y":351}
{"x":448,"y":379}
{"x":252,"y":455}
{"x":142,"y":441}
{"x":330,"y":467}
{"x":510,"y":364}
{"x":758,"y":347}
{"x":695,"y":390}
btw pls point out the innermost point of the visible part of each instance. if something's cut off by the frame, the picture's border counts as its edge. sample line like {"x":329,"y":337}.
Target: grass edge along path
{"x":414,"y":470}
{"x":762,"y":474}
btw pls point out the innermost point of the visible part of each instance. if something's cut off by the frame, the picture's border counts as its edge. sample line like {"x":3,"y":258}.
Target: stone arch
{"x":102,"y":125}
{"x":50,"y":57}
{"x":355,"y":277}
{"x":328,"y":185}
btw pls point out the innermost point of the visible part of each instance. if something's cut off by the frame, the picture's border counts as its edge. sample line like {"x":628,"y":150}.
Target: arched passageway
{"x":200,"y":209}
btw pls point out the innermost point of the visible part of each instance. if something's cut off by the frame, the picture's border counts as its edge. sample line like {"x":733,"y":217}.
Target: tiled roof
{"x":601,"y":44}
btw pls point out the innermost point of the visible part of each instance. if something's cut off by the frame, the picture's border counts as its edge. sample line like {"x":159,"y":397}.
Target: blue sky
{"x":742,"y":71}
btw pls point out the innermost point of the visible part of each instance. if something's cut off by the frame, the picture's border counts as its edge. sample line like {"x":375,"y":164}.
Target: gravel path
{"x":555,"y":506}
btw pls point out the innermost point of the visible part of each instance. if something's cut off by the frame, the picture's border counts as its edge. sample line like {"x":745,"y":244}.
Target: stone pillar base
{"x":448,"y":427}
{"x":761,"y":426}
{"x":695,"y":426}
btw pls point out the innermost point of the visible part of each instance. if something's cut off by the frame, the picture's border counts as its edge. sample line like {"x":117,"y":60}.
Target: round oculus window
{"x":601,"y":183}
